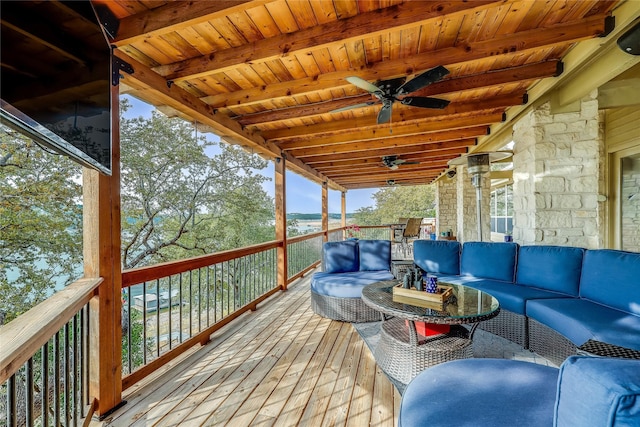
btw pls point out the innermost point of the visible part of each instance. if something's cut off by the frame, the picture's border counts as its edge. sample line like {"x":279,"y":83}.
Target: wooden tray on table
{"x":422,"y":298}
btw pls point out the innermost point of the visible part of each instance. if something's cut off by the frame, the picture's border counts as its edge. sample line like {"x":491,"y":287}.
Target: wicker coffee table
{"x":402,"y":353}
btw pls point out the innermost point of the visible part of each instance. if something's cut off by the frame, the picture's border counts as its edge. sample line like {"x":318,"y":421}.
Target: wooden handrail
{"x":22,"y":337}
{"x":144,"y":274}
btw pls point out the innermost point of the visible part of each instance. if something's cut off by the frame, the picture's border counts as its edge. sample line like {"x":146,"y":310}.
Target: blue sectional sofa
{"x":347,"y":267}
{"x":553,"y":299}
{"x":585,"y":391}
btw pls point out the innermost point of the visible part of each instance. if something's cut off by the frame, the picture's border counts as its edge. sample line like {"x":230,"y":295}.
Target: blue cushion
{"x":512,"y":297}
{"x":579,"y":320}
{"x":594,"y":391}
{"x":612,"y":278}
{"x":489,"y":260}
{"x":555,"y":268}
{"x":375,"y":255}
{"x":437,"y":256}
{"x":346,"y":285}
{"x":480,"y":392}
{"x":340,"y":257}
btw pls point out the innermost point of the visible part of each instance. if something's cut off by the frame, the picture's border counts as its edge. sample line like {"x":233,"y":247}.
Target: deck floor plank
{"x":281,"y":365}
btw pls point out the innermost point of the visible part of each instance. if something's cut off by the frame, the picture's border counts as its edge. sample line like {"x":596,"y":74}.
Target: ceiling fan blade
{"x":351,"y":107}
{"x":422,"y":80}
{"x":363,"y":84}
{"x":424,"y":102}
{"x":385,"y":113}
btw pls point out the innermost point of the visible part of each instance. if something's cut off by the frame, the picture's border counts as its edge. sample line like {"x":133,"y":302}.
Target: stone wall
{"x":467,"y":221}
{"x":446,"y":206}
{"x":558,"y":174}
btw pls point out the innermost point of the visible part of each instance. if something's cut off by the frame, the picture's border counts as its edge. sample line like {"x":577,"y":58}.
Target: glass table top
{"x":465,"y":305}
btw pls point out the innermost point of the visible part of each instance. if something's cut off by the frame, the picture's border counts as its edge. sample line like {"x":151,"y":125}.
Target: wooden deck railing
{"x":166,"y":309}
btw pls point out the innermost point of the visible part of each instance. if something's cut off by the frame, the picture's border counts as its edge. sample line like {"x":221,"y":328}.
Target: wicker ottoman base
{"x":548,"y":343}
{"x":343,"y":309}
{"x":403,"y":361}
{"x":508,"y":325}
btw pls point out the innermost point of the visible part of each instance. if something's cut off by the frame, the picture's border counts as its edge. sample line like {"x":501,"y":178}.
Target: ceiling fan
{"x":390,"y":91}
{"x":392,"y":162}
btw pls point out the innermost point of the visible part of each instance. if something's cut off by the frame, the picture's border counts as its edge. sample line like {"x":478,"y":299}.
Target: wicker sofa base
{"x":509,"y":325}
{"x":343,"y":309}
{"x":403,"y":361}
{"x":548,"y":343}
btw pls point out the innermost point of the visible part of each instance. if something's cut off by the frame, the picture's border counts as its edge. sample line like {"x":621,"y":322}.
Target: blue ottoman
{"x":481,"y":392}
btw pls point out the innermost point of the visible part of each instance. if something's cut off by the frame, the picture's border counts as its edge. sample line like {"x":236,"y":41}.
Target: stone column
{"x":558,"y":175}
{"x":446,"y":206}
{"x":467,"y":219}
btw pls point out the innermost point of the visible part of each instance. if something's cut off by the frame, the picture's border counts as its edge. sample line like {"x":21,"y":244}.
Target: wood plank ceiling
{"x":269,"y":74}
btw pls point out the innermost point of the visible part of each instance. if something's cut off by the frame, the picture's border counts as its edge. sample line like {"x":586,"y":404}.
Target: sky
{"x":303,"y":195}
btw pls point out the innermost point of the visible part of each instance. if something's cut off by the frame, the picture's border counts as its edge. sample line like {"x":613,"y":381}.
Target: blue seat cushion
{"x":594,"y":391}
{"x":554,"y":268}
{"x":489,"y":260}
{"x":579,"y":320}
{"x":346,"y":285}
{"x":374,"y":255}
{"x":612,"y":278}
{"x":512,"y":297}
{"x":437,"y":256}
{"x":341,"y":257}
{"x":480,"y":392}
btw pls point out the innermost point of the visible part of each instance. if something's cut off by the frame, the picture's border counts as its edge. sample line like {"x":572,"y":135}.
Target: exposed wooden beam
{"x":371,"y":24}
{"x":430,"y":124}
{"x":392,"y":140}
{"x":390,"y":143}
{"x":374,"y":161}
{"x":174,"y":16}
{"x":435,"y":148}
{"x":523,"y":74}
{"x":516,"y":42}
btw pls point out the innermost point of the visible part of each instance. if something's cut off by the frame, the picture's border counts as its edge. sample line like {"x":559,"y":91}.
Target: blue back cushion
{"x":612,"y":278}
{"x":437,"y":256}
{"x":598,"y":391}
{"x":554,"y":268}
{"x":340,"y":257}
{"x":374,"y":255}
{"x":489,"y":260}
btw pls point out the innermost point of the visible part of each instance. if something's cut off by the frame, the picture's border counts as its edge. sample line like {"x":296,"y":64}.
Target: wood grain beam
{"x":392,"y":140}
{"x":438,"y":149}
{"x":449,"y":135}
{"x":430,"y":124}
{"x":523,"y":74}
{"x":374,"y":161}
{"x":370,"y":24}
{"x":502,"y":44}
{"x":175,"y":16}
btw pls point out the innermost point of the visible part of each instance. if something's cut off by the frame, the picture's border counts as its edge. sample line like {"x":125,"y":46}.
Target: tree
{"x":39,"y":192}
{"x":180,"y":201}
{"x":392,"y":203}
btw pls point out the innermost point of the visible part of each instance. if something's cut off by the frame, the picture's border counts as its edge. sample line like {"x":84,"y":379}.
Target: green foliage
{"x":392,"y":203}
{"x":40,"y":223}
{"x":179,"y":200}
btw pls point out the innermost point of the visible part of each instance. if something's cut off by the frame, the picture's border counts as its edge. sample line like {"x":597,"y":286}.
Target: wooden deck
{"x":281,"y":365}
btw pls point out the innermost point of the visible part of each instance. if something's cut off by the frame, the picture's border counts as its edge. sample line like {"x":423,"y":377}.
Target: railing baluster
{"x":158,"y":318}
{"x":12,"y":413}
{"x":76,"y":373}
{"x":29,"y":393}
{"x":66,"y":373}
{"x":56,"y":379}
{"x":45,"y":384}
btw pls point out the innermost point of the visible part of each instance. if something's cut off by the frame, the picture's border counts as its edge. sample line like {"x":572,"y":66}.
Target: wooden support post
{"x":101,"y":246}
{"x":325,"y":210}
{"x":281,"y":219}
{"x":343,"y":209}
